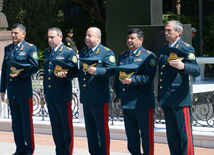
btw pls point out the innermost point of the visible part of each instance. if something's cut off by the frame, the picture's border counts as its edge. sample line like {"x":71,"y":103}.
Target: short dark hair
{"x":20,"y":26}
{"x":58,"y":30}
{"x":137,"y":31}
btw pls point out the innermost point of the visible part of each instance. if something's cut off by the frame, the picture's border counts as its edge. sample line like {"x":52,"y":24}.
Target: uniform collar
{"x":20,"y":43}
{"x":56,"y":48}
{"x":136,"y":50}
{"x":173,"y":44}
{"x":93,"y":49}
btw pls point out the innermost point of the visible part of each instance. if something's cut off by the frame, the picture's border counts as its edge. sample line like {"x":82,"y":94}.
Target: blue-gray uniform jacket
{"x":140,"y":93}
{"x":95,"y":89}
{"x":173,"y":88}
{"x":58,"y":89}
{"x":20,"y":86}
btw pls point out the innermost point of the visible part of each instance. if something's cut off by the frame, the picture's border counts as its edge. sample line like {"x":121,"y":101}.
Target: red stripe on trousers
{"x":151,"y":132}
{"x":70,"y":122}
{"x":188,"y":130}
{"x":31,"y":122}
{"x":106,"y":127}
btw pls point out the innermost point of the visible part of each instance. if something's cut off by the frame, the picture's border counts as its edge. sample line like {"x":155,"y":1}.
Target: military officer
{"x":95,"y":91}
{"x":69,"y":41}
{"x":57,"y":90}
{"x":195,"y":42}
{"x":16,"y":79}
{"x":136,"y":93}
{"x":177,"y":62}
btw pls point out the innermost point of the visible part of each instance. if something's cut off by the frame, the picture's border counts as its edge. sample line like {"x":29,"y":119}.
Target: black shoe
{"x":19,"y":153}
{"x":28,"y":154}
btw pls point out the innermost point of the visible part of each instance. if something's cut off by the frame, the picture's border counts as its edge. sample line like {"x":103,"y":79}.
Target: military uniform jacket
{"x":95,"y":89}
{"x":70,"y":43}
{"x":140,"y":93}
{"x":58,"y":89}
{"x":173,"y":89}
{"x":20,"y":86}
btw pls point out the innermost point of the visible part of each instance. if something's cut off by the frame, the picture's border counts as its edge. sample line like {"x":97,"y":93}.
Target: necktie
{"x":89,"y":53}
{"x":14,"y":50}
{"x":131,"y":54}
{"x":52,"y":52}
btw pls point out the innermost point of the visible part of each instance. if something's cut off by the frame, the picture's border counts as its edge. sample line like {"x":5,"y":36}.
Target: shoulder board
{"x":29,"y":44}
{"x":9,"y":45}
{"x":185,"y":44}
{"x":148,"y":52}
{"x":145,"y":51}
{"x":83,"y":48}
{"x":123,"y":52}
{"x":48,"y":48}
{"x":68,"y":48}
{"x":165,"y":44}
{"x":105,"y":48}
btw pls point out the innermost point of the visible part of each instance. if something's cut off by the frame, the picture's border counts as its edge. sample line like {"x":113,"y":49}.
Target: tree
{"x":36,"y":15}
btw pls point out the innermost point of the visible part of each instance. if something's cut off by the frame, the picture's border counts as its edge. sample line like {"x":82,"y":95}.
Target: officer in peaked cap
{"x":95,"y":93}
{"x":133,"y":86}
{"x":19,"y":63}
{"x":177,"y":62}
{"x":69,"y":41}
{"x":60,"y":66}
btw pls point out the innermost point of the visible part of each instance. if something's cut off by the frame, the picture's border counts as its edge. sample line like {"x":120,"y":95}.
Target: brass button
{"x":84,"y":79}
{"x":10,"y":79}
{"x":49,"y":70}
{"x":49,"y":62}
{"x":84,"y":85}
{"x":160,"y":80}
{"x":49,"y":78}
{"x":161,"y":73}
{"x":123,"y":89}
{"x":163,"y":66}
{"x":160,"y":87}
{"x":49,"y":86}
{"x":85,"y":73}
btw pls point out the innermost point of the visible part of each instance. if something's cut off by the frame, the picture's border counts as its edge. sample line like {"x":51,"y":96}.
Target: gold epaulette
{"x":123,"y":52}
{"x":107,"y":49}
{"x":29,"y":44}
{"x":186,"y":44}
{"x":165,"y":44}
{"x":48,"y":48}
{"x":68,"y":48}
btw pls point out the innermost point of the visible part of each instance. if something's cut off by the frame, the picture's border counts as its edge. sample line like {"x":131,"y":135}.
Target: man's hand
{"x":61,"y":74}
{"x":2,"y":96}
{"x":14,"y":75}
{"x":92,"y":70}
{"x":127,"y":81}
{"x":177,"y":64}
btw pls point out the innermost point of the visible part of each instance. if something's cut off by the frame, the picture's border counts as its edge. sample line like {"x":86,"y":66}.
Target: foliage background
{"x":39,"y":15}
{"x":190,"y":15}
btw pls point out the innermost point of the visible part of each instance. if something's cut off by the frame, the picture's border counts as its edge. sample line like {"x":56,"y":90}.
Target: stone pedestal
{"x":121,"y":13}
{"x":5,"y":39}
